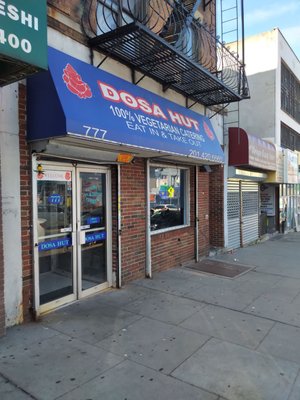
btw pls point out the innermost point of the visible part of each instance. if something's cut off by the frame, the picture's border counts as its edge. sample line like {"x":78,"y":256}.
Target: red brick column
{"x":216,"y":206}
{"x":2,"y":308}
{"x":203,"y":213}
{"x":114,"y":212}
{"x":26,"y":206}
{"x":133,"y":225}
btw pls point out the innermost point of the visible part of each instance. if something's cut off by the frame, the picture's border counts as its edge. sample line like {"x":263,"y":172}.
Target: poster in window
{"x":267,"y":199}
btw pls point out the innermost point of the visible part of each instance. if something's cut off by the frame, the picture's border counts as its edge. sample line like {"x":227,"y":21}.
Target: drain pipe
{"x":119,"y":271}
{"x":148,"y":223}
{"x":196,"y":214}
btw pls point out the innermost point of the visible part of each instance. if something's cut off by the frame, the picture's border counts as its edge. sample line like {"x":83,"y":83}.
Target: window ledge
{"x":166,"y":230}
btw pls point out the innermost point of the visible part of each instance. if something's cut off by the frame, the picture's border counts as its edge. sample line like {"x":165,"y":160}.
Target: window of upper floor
{"x":290,"y":93}
{"x":290,"y":139}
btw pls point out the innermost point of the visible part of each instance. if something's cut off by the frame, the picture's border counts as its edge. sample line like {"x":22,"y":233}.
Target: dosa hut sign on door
{"x":23,"y":38}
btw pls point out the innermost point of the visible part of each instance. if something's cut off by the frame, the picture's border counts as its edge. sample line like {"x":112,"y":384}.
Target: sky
{"x":264,"y":15}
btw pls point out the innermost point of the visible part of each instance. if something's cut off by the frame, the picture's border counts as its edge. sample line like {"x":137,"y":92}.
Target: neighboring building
{"x":271,"y":115}
{"x":111,"y":168}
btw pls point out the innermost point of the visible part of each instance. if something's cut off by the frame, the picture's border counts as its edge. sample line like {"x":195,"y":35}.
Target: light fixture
{"x":125,"y":158}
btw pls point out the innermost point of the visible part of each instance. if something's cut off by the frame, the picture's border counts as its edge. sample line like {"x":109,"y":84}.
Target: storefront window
{"x":168,"y":197}
{"x":288,"y":200}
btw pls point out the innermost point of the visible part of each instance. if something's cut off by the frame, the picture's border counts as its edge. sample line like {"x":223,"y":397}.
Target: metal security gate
{"x":250,"y":208}
{"x":242,"y":212}
{"x":233,"y":214}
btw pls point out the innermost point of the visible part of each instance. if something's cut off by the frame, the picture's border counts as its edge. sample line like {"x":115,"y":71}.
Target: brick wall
{"x":175,"y":248}
{"x":169,"y":249}
{"x":2,"y":308}
{"x":26,"y":202}
{"x":216,"y":206}
{"x":133,"y":206}
{"x":172,"y":249}
{"x":204,"y":221}
{"x":114,"y":210}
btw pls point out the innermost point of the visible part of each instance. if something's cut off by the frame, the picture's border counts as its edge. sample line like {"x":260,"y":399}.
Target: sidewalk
{"x":182,"y":335}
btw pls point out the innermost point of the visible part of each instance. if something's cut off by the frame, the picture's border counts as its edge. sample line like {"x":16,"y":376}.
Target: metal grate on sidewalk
{"x":220,"y":268}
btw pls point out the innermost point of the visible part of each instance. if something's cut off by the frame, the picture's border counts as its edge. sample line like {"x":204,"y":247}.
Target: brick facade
{"x":169,"y":249}
{"x":216,"y":206}
{"x":204,"y":221}
{"x":133,"y":206}
{"x":26,"y":207}
{"x":2,"y":307}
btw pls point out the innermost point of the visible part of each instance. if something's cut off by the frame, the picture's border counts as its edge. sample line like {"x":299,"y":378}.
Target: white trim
{"x":44,"y":308}
{"x":36,"y":296}
{"x":104,"y":285}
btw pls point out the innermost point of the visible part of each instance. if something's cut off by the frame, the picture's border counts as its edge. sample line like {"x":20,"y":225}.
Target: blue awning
{"x":76,"y":99}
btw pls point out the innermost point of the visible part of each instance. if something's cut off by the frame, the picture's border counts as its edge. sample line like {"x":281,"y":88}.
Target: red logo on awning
{"x":208,"y":131}
{"x":75,"y":83}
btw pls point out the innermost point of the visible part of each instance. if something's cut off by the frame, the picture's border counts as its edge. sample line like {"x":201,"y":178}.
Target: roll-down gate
{"x":242,"y":212}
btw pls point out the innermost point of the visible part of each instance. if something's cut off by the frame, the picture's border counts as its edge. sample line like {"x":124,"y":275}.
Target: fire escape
{"x":166,"y":40}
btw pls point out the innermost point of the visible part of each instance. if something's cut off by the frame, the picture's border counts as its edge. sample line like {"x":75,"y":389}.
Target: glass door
{"x":54,"y":246}
{"x":92,"y":212}
{"x":72,"y":217}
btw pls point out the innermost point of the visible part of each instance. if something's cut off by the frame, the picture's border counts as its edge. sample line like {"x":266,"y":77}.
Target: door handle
{"x":82,"y":237}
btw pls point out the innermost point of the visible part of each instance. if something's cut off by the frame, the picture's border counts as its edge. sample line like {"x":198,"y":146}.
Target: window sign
{"x":55,"y":244}
{"x":64,"y":176}
{"x":168,"y":199}
{"x":93,"y":220}
{"x":23,"y":31}
{"x":95,"y":237}
{"x":267,"y":199}
{"x":55,"y":198}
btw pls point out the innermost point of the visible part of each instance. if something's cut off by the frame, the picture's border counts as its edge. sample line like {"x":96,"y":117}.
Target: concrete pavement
{"x":182,"y":335}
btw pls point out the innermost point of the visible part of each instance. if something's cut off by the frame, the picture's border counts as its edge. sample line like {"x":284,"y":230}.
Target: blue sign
{"x":55,"y":199}
{"x":95,"y":237}
{"x":93,"y":220}
{"x":163,"y":194}
{"x":79,"y":99}
{"x":55,"y":244}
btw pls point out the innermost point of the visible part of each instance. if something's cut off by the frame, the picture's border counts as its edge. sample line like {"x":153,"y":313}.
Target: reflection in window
{"x":92,"y":199}
{"x":54,"y":201}
{"x":167,"y":197}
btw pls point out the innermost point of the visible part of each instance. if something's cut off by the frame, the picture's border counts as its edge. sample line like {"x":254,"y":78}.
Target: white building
{"x":273,"y":114}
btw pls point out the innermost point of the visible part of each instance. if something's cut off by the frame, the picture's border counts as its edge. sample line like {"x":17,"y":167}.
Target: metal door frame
{"x":77,"y":292}
{"x":108,"y":283}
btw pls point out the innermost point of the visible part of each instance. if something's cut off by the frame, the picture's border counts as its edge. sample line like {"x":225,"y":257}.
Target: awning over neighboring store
{"x":250,"y":151}
{"x":77,"y":100}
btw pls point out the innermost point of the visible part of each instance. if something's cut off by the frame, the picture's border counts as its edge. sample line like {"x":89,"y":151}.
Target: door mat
{"x":219,"y":268}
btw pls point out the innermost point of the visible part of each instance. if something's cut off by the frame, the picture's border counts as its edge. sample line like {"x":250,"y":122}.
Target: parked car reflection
{"x":166,"y":218}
